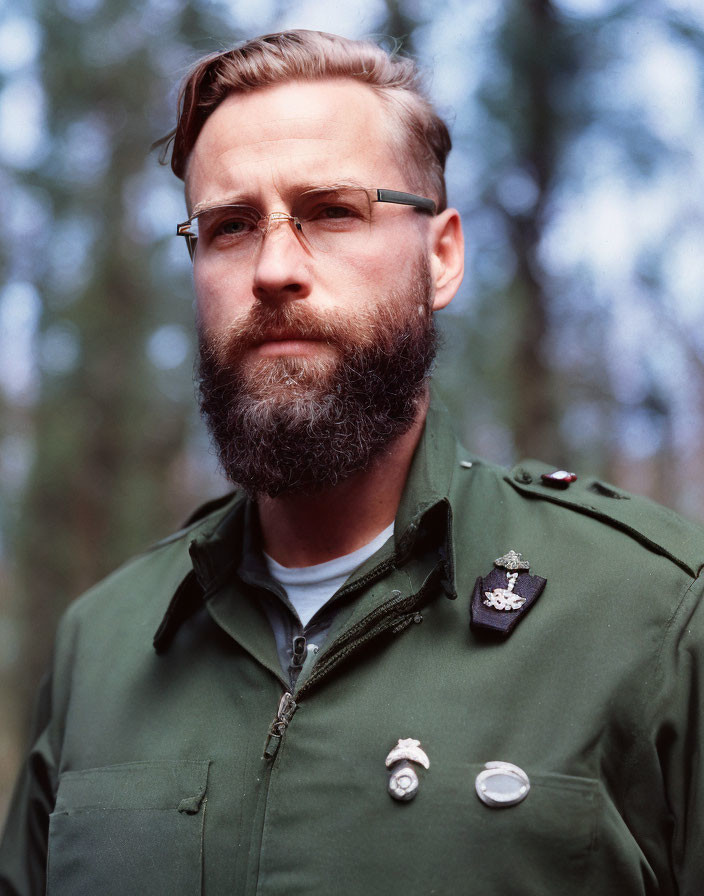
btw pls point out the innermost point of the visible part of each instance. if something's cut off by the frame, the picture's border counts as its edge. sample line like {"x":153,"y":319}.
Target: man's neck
{"x":303,"y":530}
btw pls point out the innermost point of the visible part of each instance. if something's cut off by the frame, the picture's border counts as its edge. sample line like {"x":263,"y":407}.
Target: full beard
{"x":300,"y":425}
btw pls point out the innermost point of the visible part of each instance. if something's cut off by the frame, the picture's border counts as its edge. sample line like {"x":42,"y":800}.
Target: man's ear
{"x":446,"y":256}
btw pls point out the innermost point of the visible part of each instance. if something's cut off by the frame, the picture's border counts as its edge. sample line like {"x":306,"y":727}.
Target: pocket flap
{"x":164,"y":784}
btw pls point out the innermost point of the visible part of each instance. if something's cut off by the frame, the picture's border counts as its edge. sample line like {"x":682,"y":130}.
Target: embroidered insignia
{"x":504,"y":598}
{"x":501,"y":599}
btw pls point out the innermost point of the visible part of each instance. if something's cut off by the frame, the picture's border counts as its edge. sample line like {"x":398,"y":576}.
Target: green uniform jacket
{"x":171,"y":771}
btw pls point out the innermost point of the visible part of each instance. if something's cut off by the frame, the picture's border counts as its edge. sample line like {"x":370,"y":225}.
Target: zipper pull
{"x":287,"y":707}
{"x":298,"y":656}
{"x":298,"y":651}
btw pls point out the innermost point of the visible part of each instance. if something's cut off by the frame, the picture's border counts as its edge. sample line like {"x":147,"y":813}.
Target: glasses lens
{"x":331,"y":220}
{"x":226,"y":226}
{"x":326,"y":220}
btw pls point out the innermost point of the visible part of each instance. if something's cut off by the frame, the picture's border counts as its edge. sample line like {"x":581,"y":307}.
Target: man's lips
{"x":286,"y":343}
{"x":282,"y":336}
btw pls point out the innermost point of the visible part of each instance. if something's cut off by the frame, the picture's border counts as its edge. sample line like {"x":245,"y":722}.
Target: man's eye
{"x":226,"y":223}
{"x":336,"y":211}
{"x":342,"y":214}
{"x":233,"y":227}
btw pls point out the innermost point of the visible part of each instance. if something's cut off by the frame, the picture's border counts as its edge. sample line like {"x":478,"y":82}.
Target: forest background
{"x":577,"y":336}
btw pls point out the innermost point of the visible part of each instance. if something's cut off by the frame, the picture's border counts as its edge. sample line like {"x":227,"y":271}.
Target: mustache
{"x":289,"y":320}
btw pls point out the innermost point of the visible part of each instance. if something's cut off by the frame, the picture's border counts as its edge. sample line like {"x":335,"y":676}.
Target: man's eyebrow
{"x":299,"y":190}
{"x":207,"y":204}
{"x":332,"y":188}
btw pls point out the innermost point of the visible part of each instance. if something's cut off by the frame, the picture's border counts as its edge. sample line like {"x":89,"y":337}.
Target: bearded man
{"x":381,"y":666}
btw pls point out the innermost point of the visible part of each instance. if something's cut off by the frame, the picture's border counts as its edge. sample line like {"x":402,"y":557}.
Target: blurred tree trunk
{"x":107,"y":436}
{"x":541,"y":63}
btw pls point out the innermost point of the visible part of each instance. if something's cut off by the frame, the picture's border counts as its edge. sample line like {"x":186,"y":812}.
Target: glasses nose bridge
{"x":268,"y":222}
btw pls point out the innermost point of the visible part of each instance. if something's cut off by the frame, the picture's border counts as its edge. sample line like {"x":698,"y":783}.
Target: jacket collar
{"x":218,"y":543}
{"x":425,"y":503}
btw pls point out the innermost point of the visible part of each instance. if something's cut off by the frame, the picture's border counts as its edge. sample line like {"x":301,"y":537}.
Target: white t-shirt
{"x":309,"y":587}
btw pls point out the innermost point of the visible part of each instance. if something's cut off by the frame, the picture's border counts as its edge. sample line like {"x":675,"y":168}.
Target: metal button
{"x":501,"y":784}
{"x":559,"y":478}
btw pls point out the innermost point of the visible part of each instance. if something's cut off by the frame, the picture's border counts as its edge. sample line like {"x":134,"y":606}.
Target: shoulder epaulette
{"x":658,"y":528}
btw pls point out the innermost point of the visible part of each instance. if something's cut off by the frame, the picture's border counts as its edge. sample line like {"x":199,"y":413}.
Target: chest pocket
{"x":444,"y":841}
{"x":129,"y":829}
{"x":544,"y":844}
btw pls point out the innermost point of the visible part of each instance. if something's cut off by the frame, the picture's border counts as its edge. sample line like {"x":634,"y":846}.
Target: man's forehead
{"x":290,"y":130}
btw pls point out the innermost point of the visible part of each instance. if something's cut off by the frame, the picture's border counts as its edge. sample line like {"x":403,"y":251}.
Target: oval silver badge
{"x":502,"y":784}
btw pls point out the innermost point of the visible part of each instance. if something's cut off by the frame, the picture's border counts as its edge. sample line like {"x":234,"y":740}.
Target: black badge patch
{"x":501,"y":599}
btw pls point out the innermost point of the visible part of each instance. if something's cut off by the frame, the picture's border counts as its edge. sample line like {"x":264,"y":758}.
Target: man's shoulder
{"x":599,"y":505}
{"x":144,"y":584}
{"x":612,"y":518}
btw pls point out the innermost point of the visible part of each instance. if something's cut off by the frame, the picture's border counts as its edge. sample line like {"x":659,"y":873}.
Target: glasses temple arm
{"x":399,"y":198}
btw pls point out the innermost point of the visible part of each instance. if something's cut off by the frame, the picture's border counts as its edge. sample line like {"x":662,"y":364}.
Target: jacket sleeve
{"x":23,"y":849}
{"x":680,"y":737}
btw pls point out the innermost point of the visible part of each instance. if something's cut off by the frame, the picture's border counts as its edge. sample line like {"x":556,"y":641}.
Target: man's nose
{"x":282,"y":265}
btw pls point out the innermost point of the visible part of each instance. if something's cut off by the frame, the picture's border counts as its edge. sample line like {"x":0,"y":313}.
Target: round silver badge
{"x":502,"y":784}
{"x":403,"y":783}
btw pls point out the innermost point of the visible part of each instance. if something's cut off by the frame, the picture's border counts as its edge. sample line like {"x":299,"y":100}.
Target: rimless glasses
{"x":324,"y":220}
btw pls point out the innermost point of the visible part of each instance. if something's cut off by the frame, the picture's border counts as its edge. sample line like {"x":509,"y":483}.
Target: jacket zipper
{"x":395,"y":615}
{"x":287,"y":707}
{"x":347,"y":645}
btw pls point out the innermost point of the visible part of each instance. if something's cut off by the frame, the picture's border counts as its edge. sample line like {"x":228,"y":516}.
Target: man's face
{"x":264,"y":149}
{"x":315,"y":360}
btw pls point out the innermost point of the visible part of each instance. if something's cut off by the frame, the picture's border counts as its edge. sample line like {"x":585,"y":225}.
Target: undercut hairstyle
{"x":420,"y":134}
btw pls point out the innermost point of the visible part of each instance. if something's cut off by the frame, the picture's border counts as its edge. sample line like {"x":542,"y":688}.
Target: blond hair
{"x":310,"y":56}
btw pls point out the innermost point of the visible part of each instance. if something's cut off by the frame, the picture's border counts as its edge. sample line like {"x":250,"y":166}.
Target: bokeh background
{"x":578,"y":335}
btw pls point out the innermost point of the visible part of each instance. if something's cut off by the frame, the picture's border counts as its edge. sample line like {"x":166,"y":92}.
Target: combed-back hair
{"x":421,"y":135}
